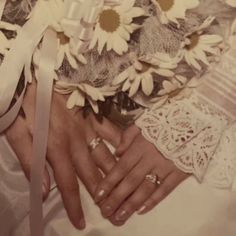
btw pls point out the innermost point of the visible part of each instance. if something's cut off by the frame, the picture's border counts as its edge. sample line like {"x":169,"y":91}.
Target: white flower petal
{"x":126,"y":86}
{"x":94,"y":106}
{"x":191,"y":61}
{"x":147,"y":85}
{"x":135,"y":86}
{"x":210,"y":39}
{"x":201,"y":56}
{"x":120,"y":78}
{"x":164,"y":72}
{"x":72,"y":99}
{"x":119,"y":45}
{"x":80,"y":101}
{"x":72,"y":61}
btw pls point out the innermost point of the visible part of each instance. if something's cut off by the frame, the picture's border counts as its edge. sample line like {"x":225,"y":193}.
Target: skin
{"x":68,"y":152}
{"x":125,"y":190}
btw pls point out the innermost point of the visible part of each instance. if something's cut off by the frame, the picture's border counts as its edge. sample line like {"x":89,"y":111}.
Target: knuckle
{"x":107,"y":184}
{"x":131,"y":205}
{"x":131,"y":180}
{"x":123,"y":166}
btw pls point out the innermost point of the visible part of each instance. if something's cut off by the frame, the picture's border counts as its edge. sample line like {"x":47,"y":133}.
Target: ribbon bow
{"x":80,"y":18}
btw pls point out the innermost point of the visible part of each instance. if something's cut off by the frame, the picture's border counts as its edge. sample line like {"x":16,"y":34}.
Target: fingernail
{"x":141,"y":210}
{"x":82,"y":224}
{"x":99,"y":196}
{"x":107,"y":211}
{"x":121,"y":216}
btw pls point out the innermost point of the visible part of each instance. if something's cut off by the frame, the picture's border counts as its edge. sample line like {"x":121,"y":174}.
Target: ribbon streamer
{"x":13,"y":64}
{"x":42,"y":117}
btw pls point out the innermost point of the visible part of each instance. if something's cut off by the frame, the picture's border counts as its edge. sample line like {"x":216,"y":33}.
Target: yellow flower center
{"x":194,"y":40}
{"x":63,"y":38}
{"x":109,"y":20}
{"x":166,"y":5}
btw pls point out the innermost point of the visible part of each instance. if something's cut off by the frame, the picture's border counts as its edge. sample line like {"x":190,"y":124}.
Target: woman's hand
{"x":126,"y":188}
{"x":68,"y":152}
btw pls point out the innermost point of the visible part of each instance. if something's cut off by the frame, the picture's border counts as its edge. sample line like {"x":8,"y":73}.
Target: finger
{"x":120,"y":170}
{"x":85,"y":166}
{"x":21,"y":142}
{"x":107,"y":131}
{"x":103,"y":158}
{"x":168,"y":185}
{"x":126,"y":139}
{"x":133,"y":203}
{"x":129,"y":184}
{"x":65,"y":177}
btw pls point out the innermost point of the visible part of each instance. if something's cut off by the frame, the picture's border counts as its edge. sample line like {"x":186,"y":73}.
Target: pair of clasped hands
{"x":122,"y":189}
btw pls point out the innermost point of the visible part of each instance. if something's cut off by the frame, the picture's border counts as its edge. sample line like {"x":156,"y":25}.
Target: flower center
{"x":165,"y":5}
{"x":63,"y":38}
{"x":194,"y":40}
{"x":109,"y":20}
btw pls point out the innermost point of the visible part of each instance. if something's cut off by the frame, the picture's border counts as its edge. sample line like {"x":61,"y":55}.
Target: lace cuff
{"x":189,"y":131}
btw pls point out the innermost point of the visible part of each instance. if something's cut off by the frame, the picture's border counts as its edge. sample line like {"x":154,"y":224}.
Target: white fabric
{"x":191,"y":210}
{"x":188,"y":129}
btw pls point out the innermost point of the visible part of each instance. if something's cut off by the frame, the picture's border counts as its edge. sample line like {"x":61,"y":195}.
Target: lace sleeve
{"x":189,"y":131}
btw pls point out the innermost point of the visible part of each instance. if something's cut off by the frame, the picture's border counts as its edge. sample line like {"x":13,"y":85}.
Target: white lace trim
{"x":188,"y":132}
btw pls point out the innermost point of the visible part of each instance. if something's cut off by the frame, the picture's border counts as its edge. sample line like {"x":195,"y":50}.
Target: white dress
{"x":192,"y":209}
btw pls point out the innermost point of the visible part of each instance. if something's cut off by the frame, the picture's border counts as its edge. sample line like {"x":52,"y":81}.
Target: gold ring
{"x":94,"y":143}
{"x":153,"y":178}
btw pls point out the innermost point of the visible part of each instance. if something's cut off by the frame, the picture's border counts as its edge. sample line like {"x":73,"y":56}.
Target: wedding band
{"x":153,"y":178}
{"x":94,"y":143}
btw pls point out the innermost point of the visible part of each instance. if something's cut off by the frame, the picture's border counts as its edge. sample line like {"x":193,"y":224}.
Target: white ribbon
{"x":79,"y":21}
{"x":13,"y":64}
{"x":41,"y":127}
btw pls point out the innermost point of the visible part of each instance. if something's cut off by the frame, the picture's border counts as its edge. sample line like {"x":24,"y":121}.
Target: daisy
{"x":114,"y":26}
{"x":141,"y":74}
{"x":79,"y":93}
{"x":172,"y":10}
{"x":64,"y":50}
{"x":232,"y":3}
{"x":199,"y":45}
{"x":174,"y":84}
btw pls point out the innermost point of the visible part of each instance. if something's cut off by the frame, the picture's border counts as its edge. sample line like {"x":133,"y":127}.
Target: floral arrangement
{"x":124,"y":52}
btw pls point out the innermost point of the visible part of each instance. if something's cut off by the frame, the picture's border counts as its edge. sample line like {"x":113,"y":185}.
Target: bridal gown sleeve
{"x":191,"y":130}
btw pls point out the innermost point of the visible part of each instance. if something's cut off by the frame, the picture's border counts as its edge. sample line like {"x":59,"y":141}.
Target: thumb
{"x":127,"y":139}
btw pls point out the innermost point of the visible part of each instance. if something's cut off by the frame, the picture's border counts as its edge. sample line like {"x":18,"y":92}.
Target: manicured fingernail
{"x":121,"y":215}
{"x":99,"y":196}
{"x":141,"y":210}
{"x":107,"y":211}
{"x":82,"y":224}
